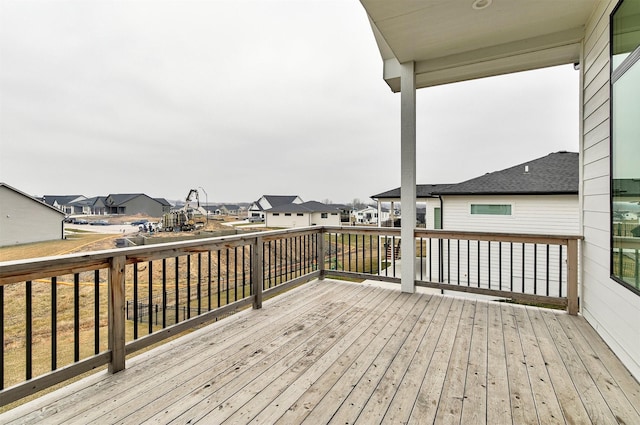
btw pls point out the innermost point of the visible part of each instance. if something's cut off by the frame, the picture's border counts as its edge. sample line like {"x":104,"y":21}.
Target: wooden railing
{"x":64,"y":316}
{"x":67,"y":315}
{"x":540,"y":269}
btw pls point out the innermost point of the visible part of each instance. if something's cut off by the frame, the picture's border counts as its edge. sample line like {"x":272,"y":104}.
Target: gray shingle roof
{"x":277,"y":200}
{"x":61,"y":199}
{"x":305,"y":207}
{"x":422,"y":191}
{"x":556,"y":173}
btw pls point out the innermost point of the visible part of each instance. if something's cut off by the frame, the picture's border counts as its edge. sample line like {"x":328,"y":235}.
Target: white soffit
{"x":450,"y":40}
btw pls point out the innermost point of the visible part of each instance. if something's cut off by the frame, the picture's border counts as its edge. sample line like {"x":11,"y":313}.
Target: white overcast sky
{"x":244,"y":98}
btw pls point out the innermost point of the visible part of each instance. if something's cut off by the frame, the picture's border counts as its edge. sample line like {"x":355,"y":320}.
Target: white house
{"x":536,"y":197}
{"x":258,"y":208}
{"x":309,"y":213}
{"x":371,"y":215}
{"x":425,"y":43}
{"x":25,"y":219}
{"x":68,"y":204}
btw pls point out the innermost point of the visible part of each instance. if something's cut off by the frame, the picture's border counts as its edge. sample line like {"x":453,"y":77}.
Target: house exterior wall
{"x":25,"y":220}
{"x":143,"y":205}
{"x":611,"y":309}
{"x":287,"y":221}
{"x":369,"y":215}
{"x":430,"y":206}
{"x":534,"y":214}
{"x":333,"y":219}
{"x":549,"y":214}
{"x":306,"y":219}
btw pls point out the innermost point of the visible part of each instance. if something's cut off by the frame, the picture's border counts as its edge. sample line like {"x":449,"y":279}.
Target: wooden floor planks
{"x":343,"y":353}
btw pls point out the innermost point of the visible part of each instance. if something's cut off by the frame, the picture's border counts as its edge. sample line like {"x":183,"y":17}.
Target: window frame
{"x":471,"y":213}
{"x":620,"y":70}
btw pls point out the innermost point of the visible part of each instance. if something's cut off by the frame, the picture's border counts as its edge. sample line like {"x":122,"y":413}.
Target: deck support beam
{"x":257,"y":273}
{"x":117,"y":314}
{"x":572,"y":277}
{"x":408,"y":175}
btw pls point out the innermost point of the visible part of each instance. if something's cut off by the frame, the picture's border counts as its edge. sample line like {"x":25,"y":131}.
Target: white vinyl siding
{"x":25,"y":220}
{"x":538,"y":214}
{"x":550,"y":214}
{"x":290,"y":220}
{"x":610,"y":308}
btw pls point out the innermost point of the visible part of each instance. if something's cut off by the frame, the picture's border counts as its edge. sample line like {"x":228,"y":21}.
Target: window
{"x":324,"y":215}
{"x":287,"y":214}
{"x":490,"y":209}
{"x":625,"y":144}
{"x":437,"y":218}
{"x":300,"y":214}
{"x":276,"y":214}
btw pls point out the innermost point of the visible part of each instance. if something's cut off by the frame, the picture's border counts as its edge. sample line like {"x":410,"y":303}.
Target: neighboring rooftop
{"x":305,"y":207}
{"x":554,"y":174}
{"x":422,"y":191}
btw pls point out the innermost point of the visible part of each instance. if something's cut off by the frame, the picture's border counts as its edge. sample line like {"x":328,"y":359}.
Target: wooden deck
{"x":336,"y":352}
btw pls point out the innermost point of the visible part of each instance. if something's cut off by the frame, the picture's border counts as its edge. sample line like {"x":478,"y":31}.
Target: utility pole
{"x":206,"y":197}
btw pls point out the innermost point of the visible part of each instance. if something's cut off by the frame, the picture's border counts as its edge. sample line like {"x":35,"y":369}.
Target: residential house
{"x":428,"y":43}
{"x":258,"y":208}
{"x":68,"y":204}
{"x":309,"y":213}
{"x":97,"y":206}
{"x":136,"y":203}
{"x":25,"y":219}
{"x":425,"y":196}
{"x":371,"y":215}
{"x":227,"y":209}
{"x":538,"y":196}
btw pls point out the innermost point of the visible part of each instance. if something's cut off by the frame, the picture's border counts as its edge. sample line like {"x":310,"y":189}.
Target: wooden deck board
{"x":426,"y":403}
{"x":223,"y":361}
{"x":544,"y":397}
{"x":337,"y":352}
{"x":586,"y":388}
{"x":498,"y":398}
{"x":520,"y":391}
{"x":357,"y":359}
{"x":474,"y":403}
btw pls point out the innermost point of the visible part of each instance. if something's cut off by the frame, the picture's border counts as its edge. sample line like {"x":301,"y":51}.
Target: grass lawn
{"x":76,"y":242}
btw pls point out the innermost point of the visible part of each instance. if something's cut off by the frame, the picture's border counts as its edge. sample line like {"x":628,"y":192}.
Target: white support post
{"x":408,"y":175}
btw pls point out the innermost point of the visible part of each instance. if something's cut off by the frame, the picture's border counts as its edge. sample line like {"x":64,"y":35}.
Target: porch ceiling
{"x":453,"y":41}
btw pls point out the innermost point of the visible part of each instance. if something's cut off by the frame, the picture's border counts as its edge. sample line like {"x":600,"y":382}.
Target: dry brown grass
{"x":79,"y":242}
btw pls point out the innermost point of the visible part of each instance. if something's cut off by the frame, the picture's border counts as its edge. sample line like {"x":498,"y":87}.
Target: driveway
{"x":122,"y":229}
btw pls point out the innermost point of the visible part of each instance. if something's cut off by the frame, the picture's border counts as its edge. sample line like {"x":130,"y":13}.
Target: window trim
{"x":614,"y":76}
{"x":510,"y":205}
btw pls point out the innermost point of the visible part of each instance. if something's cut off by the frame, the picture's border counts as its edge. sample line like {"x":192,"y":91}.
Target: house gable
{"x":25,"y":219}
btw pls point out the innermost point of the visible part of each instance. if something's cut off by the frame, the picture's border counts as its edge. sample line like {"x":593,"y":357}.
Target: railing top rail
{"x":44,"y":267}
{"x":498,"y":237}
{"x":463,"y":235}
{"x":35,"y":268}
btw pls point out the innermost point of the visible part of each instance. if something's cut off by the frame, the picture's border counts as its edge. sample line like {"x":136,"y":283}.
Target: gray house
{"x":136,"y":203}
{"x":25,"y":219}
